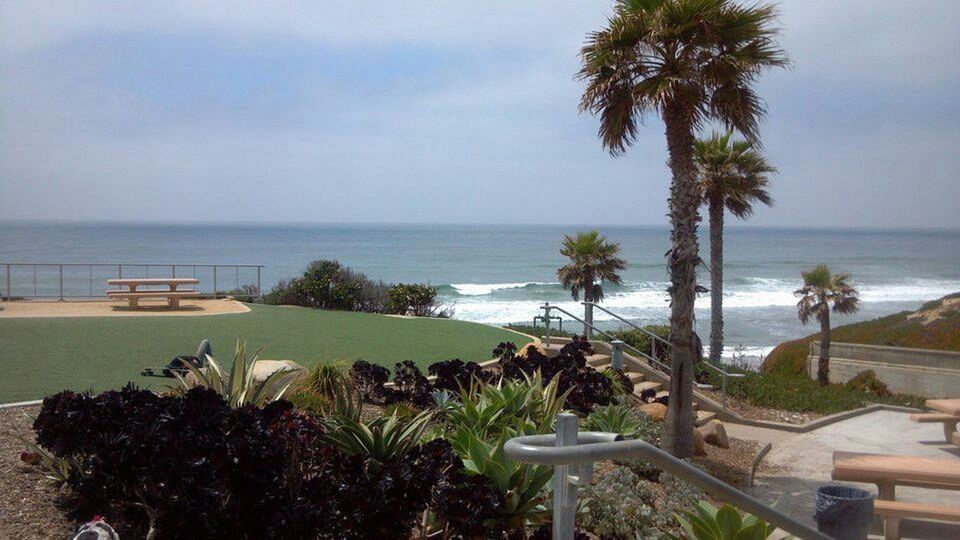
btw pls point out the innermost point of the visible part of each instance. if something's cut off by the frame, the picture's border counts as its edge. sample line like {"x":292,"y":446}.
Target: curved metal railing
{"x":572,"y":454}
{"x":547,"y":307}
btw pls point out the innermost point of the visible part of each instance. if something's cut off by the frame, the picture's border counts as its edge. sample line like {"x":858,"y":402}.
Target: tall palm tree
{"x":593,"y":261}
{"x":690,"y":62}
{"x":733,"y":176}
{"x":822,"y":291}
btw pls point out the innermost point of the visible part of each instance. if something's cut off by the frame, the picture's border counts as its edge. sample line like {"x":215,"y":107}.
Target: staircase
{"x":640,"y":375}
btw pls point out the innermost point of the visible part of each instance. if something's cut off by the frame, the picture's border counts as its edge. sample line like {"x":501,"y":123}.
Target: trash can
{"x":843,"y":512}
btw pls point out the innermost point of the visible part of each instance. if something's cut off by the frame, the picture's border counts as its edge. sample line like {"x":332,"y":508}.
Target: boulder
{"x":699,"y":446}
{"x":655,"y":411}
{"x":266,"y":368}
{"x":714,"y":433}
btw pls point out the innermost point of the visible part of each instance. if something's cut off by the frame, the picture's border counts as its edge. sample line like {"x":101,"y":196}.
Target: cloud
{"x":440,"y":111}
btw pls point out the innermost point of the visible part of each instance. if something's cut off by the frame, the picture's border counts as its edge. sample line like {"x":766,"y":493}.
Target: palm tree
{"x":822,"y":290}
{"x":690,"y":62}
{"x":733,"y":176}
{"x":593,"y":260}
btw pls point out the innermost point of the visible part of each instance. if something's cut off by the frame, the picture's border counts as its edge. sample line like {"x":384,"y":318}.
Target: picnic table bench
{"x":888,"y":472}
{"x":171,"y":293}
{"x":948,"y":412}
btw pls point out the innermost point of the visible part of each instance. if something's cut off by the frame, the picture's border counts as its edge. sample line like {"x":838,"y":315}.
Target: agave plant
{"x":613,"y":419}
{"x":708,"y":522}
{"x":382,"y":439}
{"x":240,"y":387}
{"x":522,"y":486}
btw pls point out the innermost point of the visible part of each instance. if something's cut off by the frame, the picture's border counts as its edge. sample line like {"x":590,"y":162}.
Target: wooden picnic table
{"x":889,"y":471}
{"x":171,"y":293}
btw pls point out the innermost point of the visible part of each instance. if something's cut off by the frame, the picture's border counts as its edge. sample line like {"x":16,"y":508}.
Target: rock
{"x":699,"y":446}
{"x":264,"y":368}
{"x":714,"y":433}
{"x":655,"y":411}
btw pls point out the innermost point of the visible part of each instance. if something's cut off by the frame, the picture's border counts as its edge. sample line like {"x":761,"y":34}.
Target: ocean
{"x":501,"y":273}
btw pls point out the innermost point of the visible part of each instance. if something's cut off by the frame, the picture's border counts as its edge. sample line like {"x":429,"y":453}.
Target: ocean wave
{"x":481,"y":289}
{"x":650,"y":300}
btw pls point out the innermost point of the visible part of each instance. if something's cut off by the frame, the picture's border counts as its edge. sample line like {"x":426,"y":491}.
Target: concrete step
{"x":636,"y":378}
{"x":598,"y":361}
{"x":638,"y":388}
{"x":705,"y":416}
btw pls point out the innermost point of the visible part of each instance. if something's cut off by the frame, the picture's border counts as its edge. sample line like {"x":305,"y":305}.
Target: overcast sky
{"x":443,"y":112}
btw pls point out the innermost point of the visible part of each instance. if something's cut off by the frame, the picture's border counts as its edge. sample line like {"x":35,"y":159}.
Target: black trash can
{"x":843,"y":512}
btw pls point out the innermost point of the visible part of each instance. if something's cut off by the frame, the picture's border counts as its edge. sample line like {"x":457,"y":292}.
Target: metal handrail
{"x":724,"y":375}
{"x":568,"y":448}
{"x":59,"y":281}
{"x":663,"y":367}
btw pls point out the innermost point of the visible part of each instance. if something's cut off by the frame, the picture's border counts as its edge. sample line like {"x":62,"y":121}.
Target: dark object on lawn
{"x":179,"y":364}
{"x":98,"y":529}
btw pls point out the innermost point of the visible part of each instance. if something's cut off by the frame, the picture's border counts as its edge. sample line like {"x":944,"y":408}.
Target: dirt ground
{"x":28,"y":506}
{"x":118,"y":308}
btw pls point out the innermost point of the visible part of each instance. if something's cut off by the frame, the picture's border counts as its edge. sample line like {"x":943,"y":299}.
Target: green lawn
{"x":39,"y":356}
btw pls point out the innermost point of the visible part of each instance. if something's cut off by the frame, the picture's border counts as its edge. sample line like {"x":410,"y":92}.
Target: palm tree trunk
{"x":682,"y":260}
{"x":716,"y":280}
{"x":823,"y":363}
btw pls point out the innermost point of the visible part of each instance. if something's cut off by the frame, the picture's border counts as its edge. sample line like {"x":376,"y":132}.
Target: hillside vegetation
{"x":936,"y":325}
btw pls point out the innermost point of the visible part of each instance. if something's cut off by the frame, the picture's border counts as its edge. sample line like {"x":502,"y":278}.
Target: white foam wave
{"x":650,"y":300}
{"x":481,"y":289}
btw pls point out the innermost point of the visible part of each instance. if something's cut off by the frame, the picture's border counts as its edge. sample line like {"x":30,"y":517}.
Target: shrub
{"x":587,"y":387}
{"x":325,"y":379}
{"x":620,"y":506}
{"x":191,"y":466}
{"x":867,"y":382}
{"x":327,"y":284}
{"x":614,"y":419}
{"x":466,"y":504}
{"x":415,"y":299}
{"x":455,"y":375}
{"x":368,"y":379}
{"x":641,"y":340}
{"x":409,"y":385}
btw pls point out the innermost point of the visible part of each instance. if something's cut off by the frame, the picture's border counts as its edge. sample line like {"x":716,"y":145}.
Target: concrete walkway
{"x":799,"y":463}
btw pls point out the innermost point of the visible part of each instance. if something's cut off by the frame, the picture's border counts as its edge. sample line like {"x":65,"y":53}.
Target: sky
{"x":443,"y":112}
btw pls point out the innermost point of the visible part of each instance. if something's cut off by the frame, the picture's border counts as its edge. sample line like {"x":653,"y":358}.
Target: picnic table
{"x":946,"y":406}
{"x":889,"y":471}
{"x":170,"y":292}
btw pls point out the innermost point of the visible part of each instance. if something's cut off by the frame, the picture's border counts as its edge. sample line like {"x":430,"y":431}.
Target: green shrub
{"x":615,"y":419}
{"x":327,"y":284}
{"x":866,"y":382}
{"x":641,"y":340}
{"x":415,"y":299}
{"x":325,"y":379}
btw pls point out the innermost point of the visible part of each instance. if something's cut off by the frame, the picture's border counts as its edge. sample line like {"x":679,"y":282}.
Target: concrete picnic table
{"x":889,"y":471}
{"x":171,"y":293}
{"x":171,"y":283}
{"x":948,"y":406}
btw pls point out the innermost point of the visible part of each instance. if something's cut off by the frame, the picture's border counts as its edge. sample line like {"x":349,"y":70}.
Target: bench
{"x":888,"y":471}
{"x":173,"y":297}
{"x":949,"y":422}
{"x":893,"y":512}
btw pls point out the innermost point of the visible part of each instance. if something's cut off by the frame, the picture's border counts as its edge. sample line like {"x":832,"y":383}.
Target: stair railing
{"x":654,"y":339}
{"x":547,"y":308}
{"x":572,"y":455}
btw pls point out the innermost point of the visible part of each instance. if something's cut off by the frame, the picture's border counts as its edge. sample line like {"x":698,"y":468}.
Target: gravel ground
{"x":28,"y":506}
{"x":747,"y":410}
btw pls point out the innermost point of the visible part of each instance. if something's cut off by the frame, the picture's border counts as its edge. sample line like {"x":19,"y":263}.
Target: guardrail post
{"x":214,"y":282}
{"x":546,"y":325}
{"x":9,"y":296}
{"x":564,"y":492}
{"x":616,"y":359}
{"x":61,"y":282}
{"x":723,"y":389}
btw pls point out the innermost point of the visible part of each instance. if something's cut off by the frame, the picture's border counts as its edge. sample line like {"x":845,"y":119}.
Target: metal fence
{"x":89,"y":280}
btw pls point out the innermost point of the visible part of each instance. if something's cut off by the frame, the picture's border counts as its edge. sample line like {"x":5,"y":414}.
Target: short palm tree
{"x":593,"y":261}
{"x":690,"y":62}
{"x":733,"y":176}
{"x":821,"y":292}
